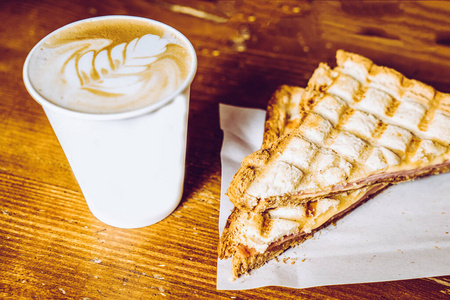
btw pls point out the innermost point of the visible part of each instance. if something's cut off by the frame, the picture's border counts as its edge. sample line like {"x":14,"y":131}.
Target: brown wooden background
{"x":51,"y":247}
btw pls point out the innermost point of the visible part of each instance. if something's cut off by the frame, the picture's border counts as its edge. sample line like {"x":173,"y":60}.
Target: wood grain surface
{"x":51,"y":247}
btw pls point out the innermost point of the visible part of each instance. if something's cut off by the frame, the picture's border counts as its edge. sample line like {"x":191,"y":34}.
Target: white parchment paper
{"x":402,"y":233}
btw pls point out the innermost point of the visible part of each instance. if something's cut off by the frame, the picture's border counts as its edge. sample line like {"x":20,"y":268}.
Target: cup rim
{"x":45,"y":103}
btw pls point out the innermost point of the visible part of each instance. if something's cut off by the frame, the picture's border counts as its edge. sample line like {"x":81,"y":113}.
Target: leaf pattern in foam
{"x":120,"y":70}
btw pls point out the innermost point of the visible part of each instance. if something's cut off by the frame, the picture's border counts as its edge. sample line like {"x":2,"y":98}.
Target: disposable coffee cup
{"x":116,"y":92}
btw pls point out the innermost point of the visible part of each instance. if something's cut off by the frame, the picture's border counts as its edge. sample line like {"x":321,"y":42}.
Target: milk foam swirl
{"x":100,"y":75}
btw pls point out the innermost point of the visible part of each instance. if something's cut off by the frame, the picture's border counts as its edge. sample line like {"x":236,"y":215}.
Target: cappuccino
{"x":116,"y":92}
{"x":110,"y":65}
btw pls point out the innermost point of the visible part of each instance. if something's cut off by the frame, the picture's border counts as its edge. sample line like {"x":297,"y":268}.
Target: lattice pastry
{"x":252,"y":238}
{"x":359,"y":124}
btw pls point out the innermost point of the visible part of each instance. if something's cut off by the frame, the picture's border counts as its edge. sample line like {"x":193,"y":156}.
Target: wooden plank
{"x":51,"y":247}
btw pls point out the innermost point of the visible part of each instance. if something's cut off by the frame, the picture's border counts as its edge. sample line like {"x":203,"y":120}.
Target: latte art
{"x":107,"y":73}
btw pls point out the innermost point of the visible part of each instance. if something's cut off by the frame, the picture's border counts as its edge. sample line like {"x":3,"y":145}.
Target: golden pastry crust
{"x":283,"y":113}
{"x":358,"y":124}
{"x":243,"y":265}
{"x":243,"y":226}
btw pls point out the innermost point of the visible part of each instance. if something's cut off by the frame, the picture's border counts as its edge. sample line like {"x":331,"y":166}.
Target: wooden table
{"x":51,"y":247}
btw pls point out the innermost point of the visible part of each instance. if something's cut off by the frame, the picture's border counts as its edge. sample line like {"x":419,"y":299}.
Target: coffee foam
{"x":108,"y":66}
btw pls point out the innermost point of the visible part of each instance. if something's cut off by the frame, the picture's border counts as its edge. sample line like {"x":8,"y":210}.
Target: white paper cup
{"x":129,"y":165}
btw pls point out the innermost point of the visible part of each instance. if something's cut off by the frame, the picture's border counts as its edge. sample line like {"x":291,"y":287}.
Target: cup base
{"x":142,"y":213}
